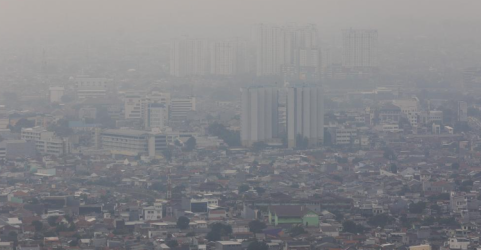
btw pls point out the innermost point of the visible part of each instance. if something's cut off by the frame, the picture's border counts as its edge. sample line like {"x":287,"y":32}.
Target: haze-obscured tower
{"x":305,"y":115}
{"x":272,"y":49}
{"x":189,"y":57}
{"x":289,"y":51}
{"x":360,"y":49}
{"x":259,"y":114}
{"x":228,"y":58}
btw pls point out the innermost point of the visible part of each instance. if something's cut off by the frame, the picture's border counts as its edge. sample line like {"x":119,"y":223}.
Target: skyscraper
{"x":189,"y":57}
{"x":359,"y":49}
{"x":156,"y":116}
{"x":259,"y":114}
{"x":272,"y":49}
{"x":228,"y":57}
{"x":290,"y":51}
{"x":305,"y":115}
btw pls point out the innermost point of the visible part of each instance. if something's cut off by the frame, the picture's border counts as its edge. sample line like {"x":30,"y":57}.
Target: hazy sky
{"x":52,"y":19}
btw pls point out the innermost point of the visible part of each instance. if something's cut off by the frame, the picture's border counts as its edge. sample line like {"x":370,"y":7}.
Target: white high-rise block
{"x":259,"y":115}
{"x":360,"y":48}
{"x":305,"y":115}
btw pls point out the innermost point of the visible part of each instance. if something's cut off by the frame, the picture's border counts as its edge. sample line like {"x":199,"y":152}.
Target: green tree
{"x":232,"y":138}
{"x":158,"y":186}
{"x":455,"y":166}
{"x":38,"y":225}
{"x":389,"y":154}
{"x":301,"y":142}
{"x":260,"y":190}
{"x":258,"y":245}
{"x":297,"y":230}
{"x":258,"y":146}
{"x":256,"y":226}
{"x":244,"y":188}
{"x":417,"y":208}
{"x":22,"y":123}
{"x":380,"y":220}
{"x":61,"y":128}
{"x":167,"y":153}
{"x":183,"y":222}
{"x":73,"y":243}
{"x":190,"y":144}
{"x":67,"y":98}
{"x":218,"y":230}
{"x":104,"y":119}
{"x":172,"y":243}
{"x":351,"y":227}
{"x":393,"y":168}
{"x":52,"y":221}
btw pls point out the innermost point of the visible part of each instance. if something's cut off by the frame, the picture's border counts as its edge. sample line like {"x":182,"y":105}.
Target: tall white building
{"x":360,"y":48}
{"x":228,"y":57}
{"x":133,"y":106}
{"x":180,"y":107}
{"x":259,"y":115}
{"x":289,"y":51}
{"x":272,"y":49}
{"x":409,"y":107}
{"x":55,"y":94}
{"x":305,"y":115}
{"x":90,"y":87}
{"x":156,"y":116}
{"x":189,"y":57}
{"x":462,"y":111}
{"x":45,"y":141}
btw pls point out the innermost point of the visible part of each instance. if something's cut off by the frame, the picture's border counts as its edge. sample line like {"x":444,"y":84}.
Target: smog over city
{"x":240,"y":125}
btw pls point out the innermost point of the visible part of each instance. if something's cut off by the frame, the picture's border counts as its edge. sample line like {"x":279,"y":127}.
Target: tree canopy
{"x":183,"y":222}
{"x":190,"y":144}
{"x":256,"y":226}
{"x":232,"y":138}
{"x":258,"y":245}
{"x":217,"y":231}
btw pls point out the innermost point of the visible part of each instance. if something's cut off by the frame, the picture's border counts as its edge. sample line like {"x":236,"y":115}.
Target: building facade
{"x":305,"y":115}
{"x":360,"y":48}
{"x":189,"y":57}
{"x":259,"y":115}
{"x":90,"y":87}
{"x":131,"y":142}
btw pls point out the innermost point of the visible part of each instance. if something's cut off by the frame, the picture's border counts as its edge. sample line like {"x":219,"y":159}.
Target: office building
{"x":360,"y":48}
{"x":55,"y":94}
{"x":133,"y":106}
{"x":90,"y":87}
{"x":152,"y":212}
{"x":462,"y":111}
{"x":305,"y":115}
{"x":430,"y":116}
{"x":4,"y":119}
{"x":12,"y":149}
{"x":156,"y":116}
{"x":288,"y":51}
{"x":45,"y":141}
{"x":228,"y":245}
{"x":158,"y":97}
{"x":87,"y":113}
{"x":271,"y":49}
{"x":189,"y":57}
{"x":409,"y":107}
{"x":228,"y":58}
{"x":259,"y":115}
{"x":180,"y":107}
{"x":131,"y":142}
{"x":199,"y":204}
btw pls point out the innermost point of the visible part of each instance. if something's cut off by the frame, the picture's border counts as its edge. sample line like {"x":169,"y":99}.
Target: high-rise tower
{"x":259,"y":115}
